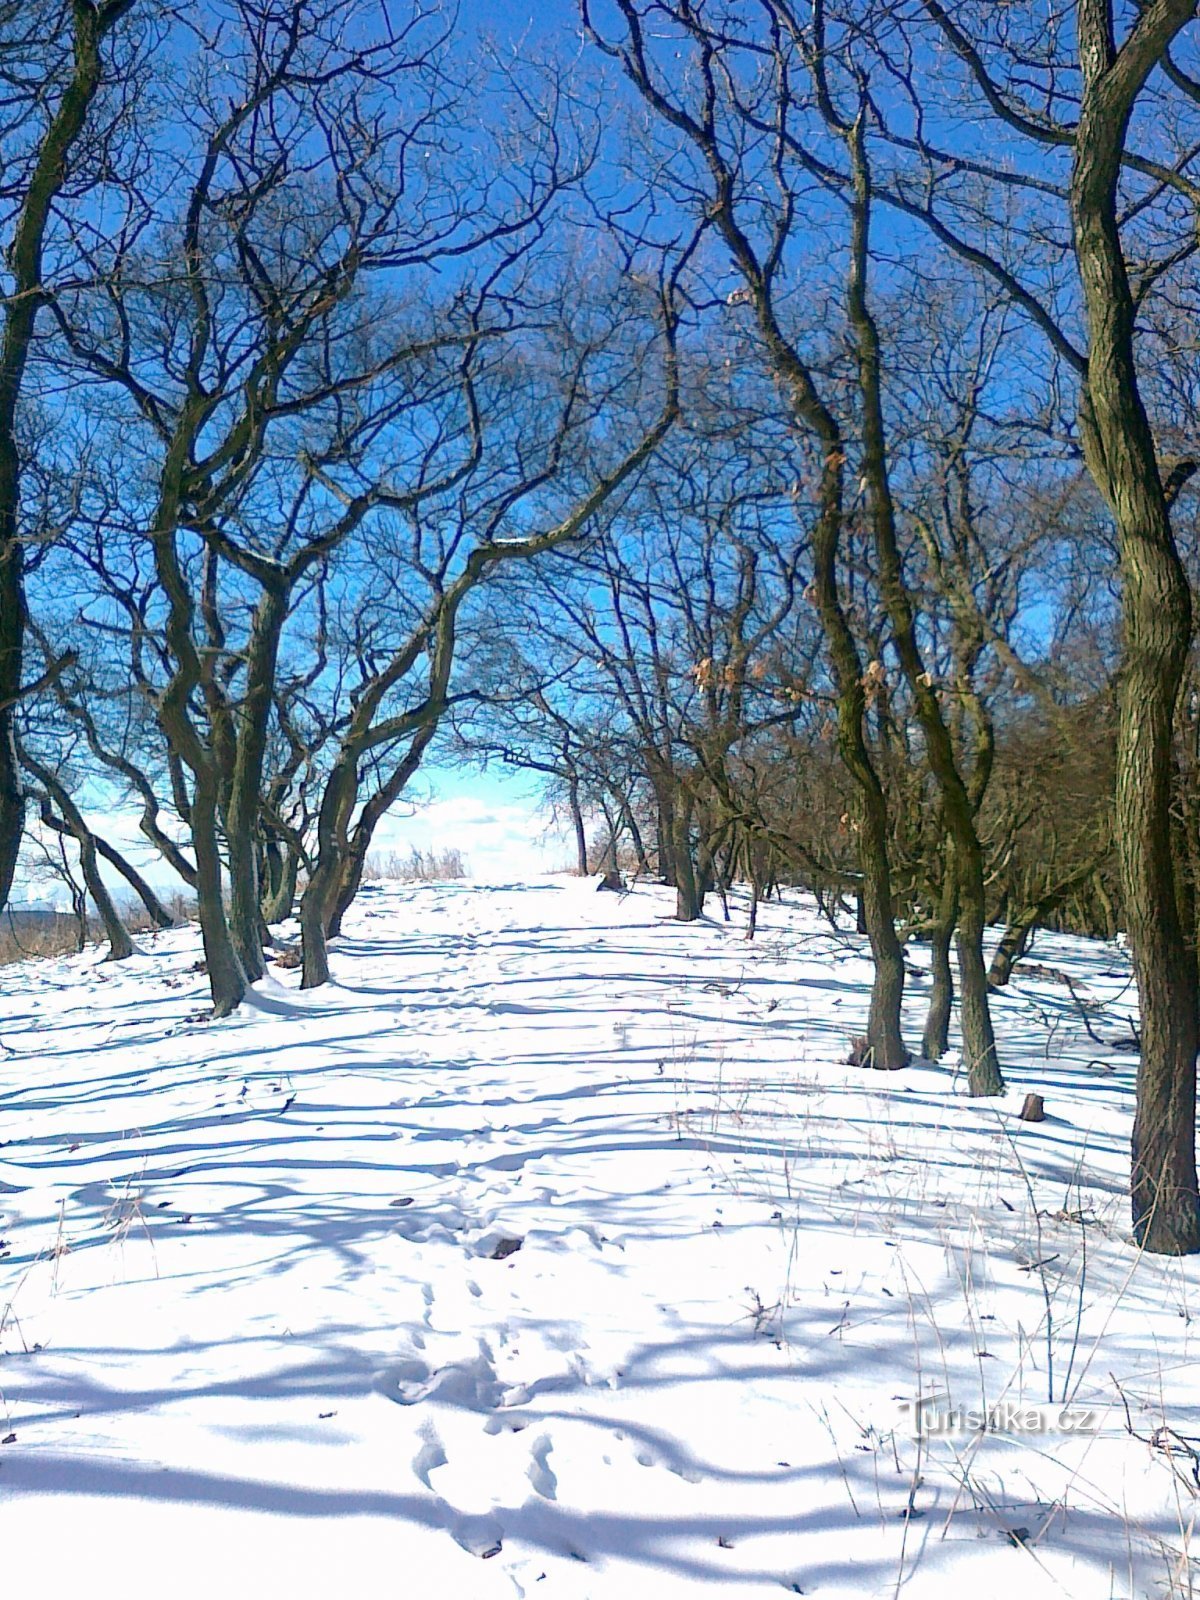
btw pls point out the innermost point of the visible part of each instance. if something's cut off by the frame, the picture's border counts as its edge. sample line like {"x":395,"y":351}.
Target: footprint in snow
{"x":539,"y":1472}
{"x":479,"y":1536}
{"x":469,"y":1384}
{"x":430,"y":1456}
{"x":681,"y":1469}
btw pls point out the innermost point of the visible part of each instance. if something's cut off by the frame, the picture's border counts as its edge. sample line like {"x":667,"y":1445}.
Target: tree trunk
{"x":1013,"y":944}
{"x":312,"y":934}
{"x":979,"y":1044}
{"x":244,"y":793}
{"x":975,"y":1016}
{"x":665,"y":833}
{"x":1157,"y":625}
{"x":581,"y":849}
{"x":226,"y":979}
{"x":352,"y":848}
{"x":23,"y":302}
{"x":936,"y":1040}
{"x":70,"y":821}
{"x":270,"y":869}
{"x":12,"y":630}
{"x":1104,"y":901}
{"x":885,"y":1043}
{"x":281,"y":894}
{"x":639,"y":844}
{"x":155,"y":909}
{"x":120,"y":945}
{"x":319,"y":901}
{"x":71,"y":824}
{"x":245,"y":915}
{"x":689,"y":894}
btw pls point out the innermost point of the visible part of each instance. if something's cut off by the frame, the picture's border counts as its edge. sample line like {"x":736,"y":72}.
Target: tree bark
{"x":936,"y":1040}
{"x":120,"y":945}
{"x":1014,"y":942}
{"x":581,"y":850}
{"x":69,"y":820}
{"x":689,"y":890}
{"x":974,"y":1012}
{"x":979,"y":1042}
{"x":319,"y":899}
{"x":90,"y":24}
{"x":664,"y":833}
{"x":155,"y":909}
{"x":1157,"y":622}
{"x":638,"y":843}
{"x":280,"y":894}
{"x":227,"y":980}
{"x":245,"y":781}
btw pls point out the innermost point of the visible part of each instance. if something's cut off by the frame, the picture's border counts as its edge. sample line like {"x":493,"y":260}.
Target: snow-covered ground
{"x":267,"y":1330}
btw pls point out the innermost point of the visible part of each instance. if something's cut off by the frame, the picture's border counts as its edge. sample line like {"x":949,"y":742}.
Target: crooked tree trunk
{"x":1014,"y":942}
{"x":354,"y":847}
{"x":1157,"y":624}
{"x":155,"y":909}
{"x":319,"y":900}
{"x":638,"y":843}
{"x":69,"y":821}
{"x":626,"y":820}
{"x":936,"y":1039}
{"x":12,"y":629}
{"x":280,"y":896}
{"x":979,"y":1043}
{"x":226,"y":979}
{"x":25,"y":299}
{"x":885,"y":1042}
{"x":349,"y":882}
{"x":244,"y":794}
{"x":120,"y":945}
{"x":1022,"y":924}
{"x":313,"y":941}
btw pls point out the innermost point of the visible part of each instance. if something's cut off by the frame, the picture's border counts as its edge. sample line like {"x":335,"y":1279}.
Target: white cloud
{"x":498,"y":829}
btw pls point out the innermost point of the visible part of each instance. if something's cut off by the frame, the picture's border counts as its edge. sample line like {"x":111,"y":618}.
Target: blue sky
{"x":493,"y":818}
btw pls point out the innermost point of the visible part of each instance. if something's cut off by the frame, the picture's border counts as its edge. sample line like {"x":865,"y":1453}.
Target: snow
{"x":554,"y":1251}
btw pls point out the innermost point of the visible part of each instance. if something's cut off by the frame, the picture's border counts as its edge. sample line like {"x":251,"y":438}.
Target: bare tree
{"x":1095,"y":104}
{"x":54,"y":66}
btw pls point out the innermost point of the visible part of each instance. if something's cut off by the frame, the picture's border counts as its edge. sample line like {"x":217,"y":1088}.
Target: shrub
{"x":419,"y":866}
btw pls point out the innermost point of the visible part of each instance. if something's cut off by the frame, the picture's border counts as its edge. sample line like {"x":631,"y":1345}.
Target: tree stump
{"x":1034,"y":1109}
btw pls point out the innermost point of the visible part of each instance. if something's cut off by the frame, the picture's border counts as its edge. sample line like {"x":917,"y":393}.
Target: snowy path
{"x":553,"y":1252}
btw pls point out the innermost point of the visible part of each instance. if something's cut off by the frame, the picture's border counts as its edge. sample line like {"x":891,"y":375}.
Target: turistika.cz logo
{"x":933,"y":1416}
